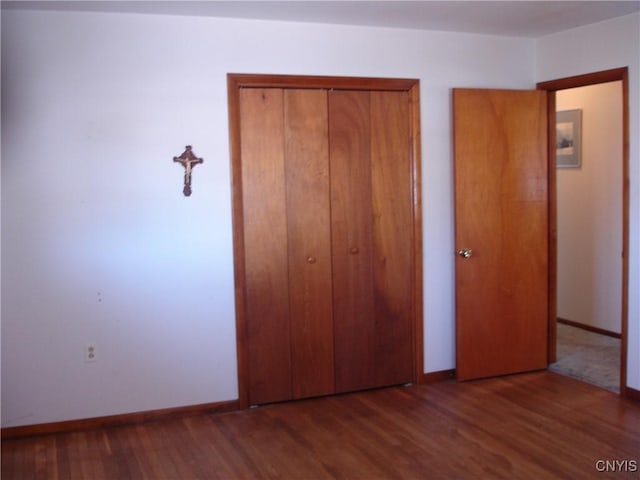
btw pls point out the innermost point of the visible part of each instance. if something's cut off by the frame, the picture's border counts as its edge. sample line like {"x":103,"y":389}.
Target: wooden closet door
{"x":327,"y":234}
{"x":393,"y":237}
{"x":285,"y":175}
{"x":265,"y":245}
{"x":352,"y":238}
{"x":309,"y":242}
{"x":372,"y":238}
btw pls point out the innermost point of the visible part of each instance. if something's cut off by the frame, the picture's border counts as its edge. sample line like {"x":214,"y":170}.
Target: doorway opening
{"x":589,"y":227}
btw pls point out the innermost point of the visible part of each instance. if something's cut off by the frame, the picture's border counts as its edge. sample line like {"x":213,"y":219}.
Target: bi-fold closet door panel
{"x":285,"y":177}
{"x":328,"y":240}
{"x":372,"y":237}
{"x":266,"y":258}
{"x":309,"y":242}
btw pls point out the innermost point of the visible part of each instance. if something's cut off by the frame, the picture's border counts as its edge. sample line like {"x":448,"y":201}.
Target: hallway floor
{"x":588,"y":356}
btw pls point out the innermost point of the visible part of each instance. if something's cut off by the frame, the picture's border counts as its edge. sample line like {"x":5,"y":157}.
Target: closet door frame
{"x":237,"y":81}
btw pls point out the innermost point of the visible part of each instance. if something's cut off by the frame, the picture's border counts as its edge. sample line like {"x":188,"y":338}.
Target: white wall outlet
{"x":90,"y":353}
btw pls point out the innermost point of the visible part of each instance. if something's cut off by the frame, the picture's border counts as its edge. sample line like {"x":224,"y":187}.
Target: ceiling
{"x":507,"y":18}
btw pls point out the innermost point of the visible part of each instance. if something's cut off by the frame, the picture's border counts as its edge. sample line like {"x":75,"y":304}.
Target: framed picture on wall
{"x":569,"y":139}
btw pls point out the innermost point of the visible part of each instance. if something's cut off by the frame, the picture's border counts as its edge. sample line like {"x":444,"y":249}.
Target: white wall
{"x":98,"y":243}
{"x":606,"y":45}
{"x":590,"y":211}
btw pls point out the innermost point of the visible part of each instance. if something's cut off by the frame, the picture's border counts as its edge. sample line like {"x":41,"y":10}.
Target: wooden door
{"x":287,"y":253}
{"x":309,"y":242}
{"x":327,"y":237}
{"x":372,"y":238}
{"x":266,"y":256}
{"x":501,"y":211}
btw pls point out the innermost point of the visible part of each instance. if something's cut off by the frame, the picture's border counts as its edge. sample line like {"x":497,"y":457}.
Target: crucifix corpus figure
{"x":188,"y":161}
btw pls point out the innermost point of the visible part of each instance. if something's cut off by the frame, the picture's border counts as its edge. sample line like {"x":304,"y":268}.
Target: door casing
{"x":551,"y":87}
{"x":235,"y":82}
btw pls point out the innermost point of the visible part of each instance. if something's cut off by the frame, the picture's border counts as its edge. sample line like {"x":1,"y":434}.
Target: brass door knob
{"x":465,"y":252}
{"x":311,"y":259}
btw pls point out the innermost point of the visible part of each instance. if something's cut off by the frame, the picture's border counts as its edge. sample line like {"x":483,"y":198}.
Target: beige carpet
{"x":588,"y":356}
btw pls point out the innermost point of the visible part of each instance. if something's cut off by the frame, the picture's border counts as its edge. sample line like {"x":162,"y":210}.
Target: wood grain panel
{"x":552,"y":185}
{"x":266,"y":260}
{"x":392,"y":236}
{"x":322,"y":82}
{"x":309,"y":241}
{"x":306,"y":281}
{"x":351,"y":226}
{"x":416,"y":198}
{"x":501,"y":212}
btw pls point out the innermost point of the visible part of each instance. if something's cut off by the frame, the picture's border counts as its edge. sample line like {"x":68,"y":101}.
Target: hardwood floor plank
{"x":531,"y":426}
{"x":44,"y":459}
{"x":217,"y":455}
{"x":476,"y":452}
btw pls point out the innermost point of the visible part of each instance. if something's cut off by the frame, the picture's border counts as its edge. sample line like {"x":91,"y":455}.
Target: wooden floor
{"x":537,"y":426}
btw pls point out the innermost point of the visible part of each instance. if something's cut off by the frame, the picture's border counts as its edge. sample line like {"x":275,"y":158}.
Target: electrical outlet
{"x":90,"y":353}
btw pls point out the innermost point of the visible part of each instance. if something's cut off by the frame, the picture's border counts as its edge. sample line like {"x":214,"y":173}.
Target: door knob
{"x":465,"y":252}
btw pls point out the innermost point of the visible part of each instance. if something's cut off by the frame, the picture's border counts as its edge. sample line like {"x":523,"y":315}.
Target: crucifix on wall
{"x":188,"y":161}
